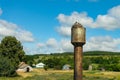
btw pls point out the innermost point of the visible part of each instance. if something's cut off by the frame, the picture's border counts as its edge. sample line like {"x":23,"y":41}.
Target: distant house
{"x":40,"y":65}
{"x":66,"y":67}
{"x":102,"y":69}
{"x":23,"y":67}
{"x":90,"y":67}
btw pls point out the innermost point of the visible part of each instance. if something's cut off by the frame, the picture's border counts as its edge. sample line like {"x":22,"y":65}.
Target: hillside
{"x":91,"y":53}
{"x":98,"y":59}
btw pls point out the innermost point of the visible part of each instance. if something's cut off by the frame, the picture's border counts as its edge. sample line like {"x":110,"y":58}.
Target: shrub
{"x":45,"y":67}
{"x":6,"y":67}
{"x":58,"y":67}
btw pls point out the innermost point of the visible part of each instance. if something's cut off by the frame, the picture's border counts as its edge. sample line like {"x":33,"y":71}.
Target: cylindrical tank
{"x":78,"y":34}
{"x":78,"y":40}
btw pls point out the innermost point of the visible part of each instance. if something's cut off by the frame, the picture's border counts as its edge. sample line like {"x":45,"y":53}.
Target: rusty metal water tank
{"x":78,"y":34}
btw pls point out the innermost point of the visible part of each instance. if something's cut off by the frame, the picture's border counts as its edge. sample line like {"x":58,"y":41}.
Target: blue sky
{"x":43,"y":26}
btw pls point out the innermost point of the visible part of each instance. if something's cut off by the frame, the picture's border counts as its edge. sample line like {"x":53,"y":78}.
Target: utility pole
{"x":78,"y":40}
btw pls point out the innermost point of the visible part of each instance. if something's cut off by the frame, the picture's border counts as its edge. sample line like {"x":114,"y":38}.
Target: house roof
{"x":41,"y":64}
{"x":67,"y":65}
{"x":22,"y":65}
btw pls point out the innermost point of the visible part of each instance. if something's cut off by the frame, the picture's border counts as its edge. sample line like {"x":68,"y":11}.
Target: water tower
{"x":78,"y":39}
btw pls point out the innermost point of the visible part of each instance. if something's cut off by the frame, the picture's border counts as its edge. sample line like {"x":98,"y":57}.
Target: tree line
{"x":109,"y":61}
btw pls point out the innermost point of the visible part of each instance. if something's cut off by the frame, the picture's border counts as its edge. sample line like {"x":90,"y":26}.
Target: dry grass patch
{"x":41,"y":74}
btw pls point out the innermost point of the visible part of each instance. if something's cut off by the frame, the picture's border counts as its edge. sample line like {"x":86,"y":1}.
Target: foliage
{"x":95,"y":66}
{"x":6,"y":67}
{"x":29,"y":60}
{"x":12,"y":52}
{"x":109,"y":61}
{"x":100,"y":53}
{"x":57,"y":62}
{"x":86,"y":63}
{"x":45,"y":67}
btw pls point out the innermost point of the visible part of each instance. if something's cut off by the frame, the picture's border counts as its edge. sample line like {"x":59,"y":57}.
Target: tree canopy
{"x":12,"y":50}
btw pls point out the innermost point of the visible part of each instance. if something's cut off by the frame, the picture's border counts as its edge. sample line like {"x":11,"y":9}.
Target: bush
{"x":45,"y":67}
{"x":58,"y":67}
{"x":95,"y":66}
{"x":6,"y":67}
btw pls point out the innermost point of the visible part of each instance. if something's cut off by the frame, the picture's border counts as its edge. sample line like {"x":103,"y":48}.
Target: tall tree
{"x":12,"y":50}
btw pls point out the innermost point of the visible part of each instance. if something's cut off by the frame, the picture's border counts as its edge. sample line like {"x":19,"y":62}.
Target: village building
{"x":90,"y":68}
{"x":40,"y":65}
{"x":66,"y":67}
{"x":23,"y":67}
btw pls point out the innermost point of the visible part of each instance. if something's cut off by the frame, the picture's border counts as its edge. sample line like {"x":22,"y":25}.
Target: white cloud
{"x":53,"y":46}
{"x":68,"y":21}
{"x":75,"y":16}
{"x":100,"y":43}
{"x":1,"y":11}
{"x":11,"y":29}
{"x":115,"y":11}
{"x":103,"y":43}
{"x":24,"y":36}
{"x":66,"y":45}
{"x":64,"y":31}
{"x":41,"y":45}
{"x":109,"y":21}
{"x":50,"y":46}
{"x":7,"y":28}
{"x":51,"y":43}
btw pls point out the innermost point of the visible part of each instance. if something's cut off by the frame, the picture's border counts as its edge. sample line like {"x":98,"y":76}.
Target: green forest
{"x":109,"y":61}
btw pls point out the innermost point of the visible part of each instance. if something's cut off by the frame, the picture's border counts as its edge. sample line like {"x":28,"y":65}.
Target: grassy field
{"x":39,"y":74}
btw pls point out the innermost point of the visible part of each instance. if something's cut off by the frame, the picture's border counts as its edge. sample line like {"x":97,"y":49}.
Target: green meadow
{"x":40,"y":74}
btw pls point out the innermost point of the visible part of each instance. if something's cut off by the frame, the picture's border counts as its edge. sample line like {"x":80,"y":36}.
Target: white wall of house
{"x":25,"y":69}
{"x":40,"y":65}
